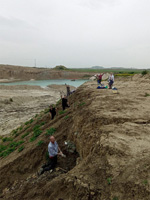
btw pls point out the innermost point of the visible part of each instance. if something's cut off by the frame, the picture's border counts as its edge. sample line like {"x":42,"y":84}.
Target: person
{"x":99,"y":78}
{"x":111,"y":80}
{"x":52,"y":111}
{"x":68,"y":89}
{"x":53,"y":151}
{"x":64,"y":102}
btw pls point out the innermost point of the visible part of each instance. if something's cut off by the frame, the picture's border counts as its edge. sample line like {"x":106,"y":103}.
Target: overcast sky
{"x":75,"y":33}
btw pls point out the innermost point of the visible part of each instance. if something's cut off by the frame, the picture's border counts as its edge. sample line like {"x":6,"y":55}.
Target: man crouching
{"x":53,"y":150}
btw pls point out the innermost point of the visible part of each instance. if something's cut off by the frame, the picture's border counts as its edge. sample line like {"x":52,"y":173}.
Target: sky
{"x":75,"y":33}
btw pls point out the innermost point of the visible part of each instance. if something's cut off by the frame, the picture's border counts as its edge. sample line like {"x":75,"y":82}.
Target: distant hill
{"x":97,"y":67}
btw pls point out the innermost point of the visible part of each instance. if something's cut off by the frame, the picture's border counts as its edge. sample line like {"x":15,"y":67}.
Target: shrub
{"x":24,"y":135}
{"x":50,"y":131}
{"x":46,"y":110}
{"x":144,"y":72}
{"x":40,"y":142}
{"x":115,"y":198}
{"x":5,"y":139}
{"x":20,"y":148}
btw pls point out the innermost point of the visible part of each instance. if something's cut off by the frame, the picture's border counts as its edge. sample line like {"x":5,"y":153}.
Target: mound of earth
{"x":107,"y":136}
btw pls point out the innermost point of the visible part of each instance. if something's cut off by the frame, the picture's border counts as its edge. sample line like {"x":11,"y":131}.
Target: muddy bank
{"x":20,"y":103}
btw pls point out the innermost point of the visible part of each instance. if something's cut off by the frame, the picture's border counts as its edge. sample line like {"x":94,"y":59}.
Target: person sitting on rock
{"x":64,"y":102}
{"x":53,"y":151}
{"x":52,"y":111}
{"x":111,"y":80}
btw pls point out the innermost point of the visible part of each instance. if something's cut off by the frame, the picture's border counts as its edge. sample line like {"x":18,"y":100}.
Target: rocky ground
{"x":20,"y":103}
{"x":110,"y":161}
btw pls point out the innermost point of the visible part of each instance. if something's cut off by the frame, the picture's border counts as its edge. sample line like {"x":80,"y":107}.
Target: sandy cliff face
{"x":111,"y":133}
{"x":27,"y":73}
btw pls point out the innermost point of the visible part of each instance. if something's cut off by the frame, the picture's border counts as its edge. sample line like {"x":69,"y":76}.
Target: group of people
{"x":110,"y":79}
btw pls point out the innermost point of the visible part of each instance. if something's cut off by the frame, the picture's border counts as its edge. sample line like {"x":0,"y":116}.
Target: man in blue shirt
{"x":53,"y":150}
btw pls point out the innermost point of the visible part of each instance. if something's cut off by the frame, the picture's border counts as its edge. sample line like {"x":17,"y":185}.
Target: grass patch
{"x":147,"y":95}
{"x":124,"y":75}
{"x":82,"y":104}
{"x":24,"y":135}
{"x":50,"y":131}
{"x":20,"y":148}
{"x":40,"y":142}
{"x":6,"y":139}
{"x":62,"y":112}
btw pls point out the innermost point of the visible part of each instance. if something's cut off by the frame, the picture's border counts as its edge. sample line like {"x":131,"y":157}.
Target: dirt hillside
{"x":13,"y":73}
{"x":108,"y":148}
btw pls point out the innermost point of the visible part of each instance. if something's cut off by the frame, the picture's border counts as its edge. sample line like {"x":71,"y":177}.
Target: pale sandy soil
{"x":20,"y":103}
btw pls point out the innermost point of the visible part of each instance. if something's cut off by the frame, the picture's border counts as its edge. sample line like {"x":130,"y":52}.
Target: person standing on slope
{"x":53,"y":151}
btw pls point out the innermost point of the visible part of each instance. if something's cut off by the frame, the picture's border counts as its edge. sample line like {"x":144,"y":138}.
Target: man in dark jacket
{"x":64,"y":102}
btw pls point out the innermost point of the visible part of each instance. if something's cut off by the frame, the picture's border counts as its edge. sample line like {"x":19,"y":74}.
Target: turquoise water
{"x":44,"y":83}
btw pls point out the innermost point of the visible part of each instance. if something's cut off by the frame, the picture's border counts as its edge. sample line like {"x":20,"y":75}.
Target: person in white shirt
{"x":111,"y":80}
{"x":53,"y":150}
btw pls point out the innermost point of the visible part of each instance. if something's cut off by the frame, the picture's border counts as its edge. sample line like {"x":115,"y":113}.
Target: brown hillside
{"x":26,"y":73}
{"x":111,"y":133}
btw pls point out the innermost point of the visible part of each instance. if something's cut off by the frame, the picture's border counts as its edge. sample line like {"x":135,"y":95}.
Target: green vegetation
{"x":40,"y":142}
{"x":20,"y":148}
{"x":144,"y":72}
{"x":109,"y":180}
{"x":66,"y":117}
{"x":46,"y":110}
{"x":145,"y":182}
{"x":50,"y":131}
{"x":60,"y":67}
{"x":6,"y":139}
{"x":82,"y":104}
{"x":115,"y":198}
{"x":36,"y":133}
{"x":147,"y":95}
{"x":24,"y":135}
{"x":2,"y":147}
{"x":62,"y":112}
{"x":6,"y":150}
{"x":124,"y":75}
{"x":29,"y":122}
{"x":42,"y":123}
